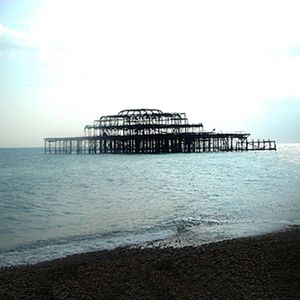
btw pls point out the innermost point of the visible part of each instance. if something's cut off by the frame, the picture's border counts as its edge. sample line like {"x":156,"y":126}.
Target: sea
{"x":52,"y":205}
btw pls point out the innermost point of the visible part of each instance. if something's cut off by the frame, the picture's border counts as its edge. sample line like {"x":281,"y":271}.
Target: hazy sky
{"x":233,"y":65}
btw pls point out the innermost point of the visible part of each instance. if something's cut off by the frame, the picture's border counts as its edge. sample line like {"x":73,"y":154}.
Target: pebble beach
{"x":260,"y":267}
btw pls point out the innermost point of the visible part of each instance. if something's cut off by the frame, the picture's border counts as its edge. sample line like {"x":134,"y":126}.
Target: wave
{"x":44,"y":250}
{"x":179,"y":231}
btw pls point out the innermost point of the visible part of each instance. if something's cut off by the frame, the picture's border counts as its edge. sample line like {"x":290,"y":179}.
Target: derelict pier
{"x":151,"y":131}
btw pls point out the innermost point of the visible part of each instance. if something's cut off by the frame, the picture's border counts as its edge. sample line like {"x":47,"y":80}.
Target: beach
{"x":265,"y":267}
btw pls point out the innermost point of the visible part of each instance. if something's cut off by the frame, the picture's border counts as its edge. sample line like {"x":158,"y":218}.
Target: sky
{"x":232,"y":65}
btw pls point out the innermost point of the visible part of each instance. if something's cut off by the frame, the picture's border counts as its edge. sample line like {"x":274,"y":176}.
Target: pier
{"x":151,"y":131}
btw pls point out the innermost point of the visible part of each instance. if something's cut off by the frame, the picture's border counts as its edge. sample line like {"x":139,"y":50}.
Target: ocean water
{"x":56,"y":205}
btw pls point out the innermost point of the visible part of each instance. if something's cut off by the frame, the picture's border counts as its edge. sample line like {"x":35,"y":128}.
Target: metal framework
{"x":151,"y":131}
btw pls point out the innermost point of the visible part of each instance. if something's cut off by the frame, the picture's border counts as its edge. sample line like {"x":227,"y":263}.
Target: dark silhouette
{"x":152,"y":131}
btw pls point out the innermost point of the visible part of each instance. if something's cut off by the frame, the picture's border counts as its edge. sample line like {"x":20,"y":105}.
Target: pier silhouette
{"x":151,"y":131}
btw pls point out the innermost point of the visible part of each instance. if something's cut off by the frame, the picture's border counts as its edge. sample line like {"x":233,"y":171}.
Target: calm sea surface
{"x":56,"y":205}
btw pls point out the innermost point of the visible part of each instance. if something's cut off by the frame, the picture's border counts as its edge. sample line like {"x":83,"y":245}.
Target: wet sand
{"x":266,"y":267}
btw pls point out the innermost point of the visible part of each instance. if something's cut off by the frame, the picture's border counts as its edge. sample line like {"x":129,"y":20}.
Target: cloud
{"x":280,"y":121}
{"x":294,"y":51}
{"x":13,"y":41}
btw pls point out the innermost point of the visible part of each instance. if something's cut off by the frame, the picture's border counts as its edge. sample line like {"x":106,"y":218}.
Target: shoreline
{"x":264,"y":266}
